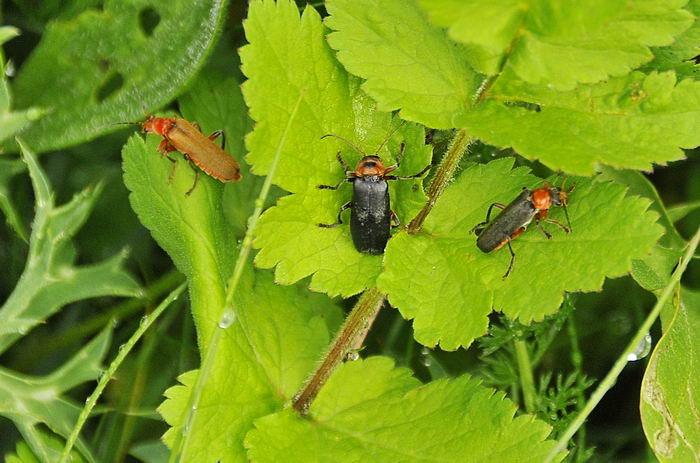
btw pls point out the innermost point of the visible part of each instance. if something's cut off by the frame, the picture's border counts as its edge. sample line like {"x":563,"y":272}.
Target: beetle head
{"x":157,"y":125}
{"x":370,"y":166}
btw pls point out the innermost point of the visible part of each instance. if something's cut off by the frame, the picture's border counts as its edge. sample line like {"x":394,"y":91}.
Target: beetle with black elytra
{"x":371,"y":216}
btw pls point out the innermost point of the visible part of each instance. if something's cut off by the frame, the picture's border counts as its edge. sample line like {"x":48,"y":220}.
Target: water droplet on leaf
{"x":642,"y":349}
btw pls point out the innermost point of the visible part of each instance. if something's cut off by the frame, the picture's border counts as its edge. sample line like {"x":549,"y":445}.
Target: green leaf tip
{"x":448,"y":286}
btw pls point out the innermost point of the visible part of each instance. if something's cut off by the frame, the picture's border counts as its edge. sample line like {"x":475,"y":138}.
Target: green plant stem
{"x":350,"y":335}
{"x":610,"y":379}
{"x":445,"y":172}
{"x":527,"y":381}
{"x":228,"y":314}
{"x":124,"y":350}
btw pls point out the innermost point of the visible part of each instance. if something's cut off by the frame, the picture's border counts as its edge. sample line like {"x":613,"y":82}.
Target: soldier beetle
{"x":185,"y":137}
{"x":371,"y":216}
{"x":516,"y":216}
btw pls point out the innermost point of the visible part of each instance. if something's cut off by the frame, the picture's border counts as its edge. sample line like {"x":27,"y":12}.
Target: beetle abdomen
{"x":370,"y":220}
{"x":517,"y":214}
{"x":203,"y":152}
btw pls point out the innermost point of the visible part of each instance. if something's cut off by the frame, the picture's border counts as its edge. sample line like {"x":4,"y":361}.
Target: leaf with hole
{"x":111,"y":65}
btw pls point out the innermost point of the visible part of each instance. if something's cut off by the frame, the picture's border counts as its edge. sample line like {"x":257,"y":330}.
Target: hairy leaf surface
{"x":99,"y":68}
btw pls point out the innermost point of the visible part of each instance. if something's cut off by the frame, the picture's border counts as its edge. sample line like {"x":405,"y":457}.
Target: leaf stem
{"x":124,"y":350}
{"x":527,"y":381}
{"x":228,"y":314}
{"x":445,"y":172}
{"x":610,"y":379}
{"x":350,"y":335}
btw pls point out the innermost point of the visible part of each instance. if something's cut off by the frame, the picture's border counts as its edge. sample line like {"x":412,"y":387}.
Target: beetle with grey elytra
{"x":517,"y":215}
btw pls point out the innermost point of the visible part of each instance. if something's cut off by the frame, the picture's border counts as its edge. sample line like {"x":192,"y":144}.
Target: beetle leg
{"x":488,"y":217}
{"x":216,"y":134}
{"x":331,"y":187}
{"x":546,"y":233}
{"x":196,"y":175}
{"x":398,"y":159}
{"x":394,"y":218}
{"x":345,"y":206}
{"x":512,"y":260}
{"x":345,"y":165}
{"x":408,"y":177}
{"x":559,"y":224}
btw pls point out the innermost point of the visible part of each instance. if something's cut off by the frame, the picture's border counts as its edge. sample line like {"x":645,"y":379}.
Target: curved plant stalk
{"x":124,"y":350}
{"x":228,"y":314}
{"x":352,"y":334}
{"x":610,"y":379}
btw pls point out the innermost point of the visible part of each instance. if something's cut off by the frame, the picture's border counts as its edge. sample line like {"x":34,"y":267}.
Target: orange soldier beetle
{"x":185,"y":137}
{"x":516,"y":216}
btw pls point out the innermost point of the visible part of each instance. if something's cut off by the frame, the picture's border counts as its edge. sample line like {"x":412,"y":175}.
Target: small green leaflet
{"x":106,"y":66}
{"x":371,"y":411}
{"x":669,"y":405}
{"x":442,"y":280}
{"x":407,"y":62}
{"x":262,"y":360}
{"x":36,"y":402}
{"x":631,"y":121}
{"x":288,"y":234}
{"x":678,"y":56}
{"x":560,"y":44}
{"x":51,"y":279}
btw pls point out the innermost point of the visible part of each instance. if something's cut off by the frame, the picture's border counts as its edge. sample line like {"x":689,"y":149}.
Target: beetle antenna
{"x":346,"y":141}
{"x":388,"y":137}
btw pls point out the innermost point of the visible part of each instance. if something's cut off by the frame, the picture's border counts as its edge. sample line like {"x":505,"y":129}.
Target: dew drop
{"x":352,"y":356}
{"x":227,"y":319}
{"x":115,"y":323}
{"x":427,"y":359}
{"x":121,"y":348}
{"x":642,"y":349}
{"x":144,"y":320}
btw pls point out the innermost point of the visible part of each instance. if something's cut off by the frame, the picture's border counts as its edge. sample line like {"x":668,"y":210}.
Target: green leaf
{"x":191,"y":229}
{"x":560,"y":44}
{"x":653,"y":272}
{"x":407,"y":62}
{"x":449,"y":286}
{"x":287,"y":234}
{"x":678,"y":55}
{"x":262,"y":360}
{"x":371,"y":411}
{"x":11,"y":122}
{"x":631,"y":122}
{"x":112,"y":67}
{"x":8,"y":169}
{"x":50,"y":279}
{"x":671,"y":386}
{"x":215,"y":101}
{"x":32,"y":402}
